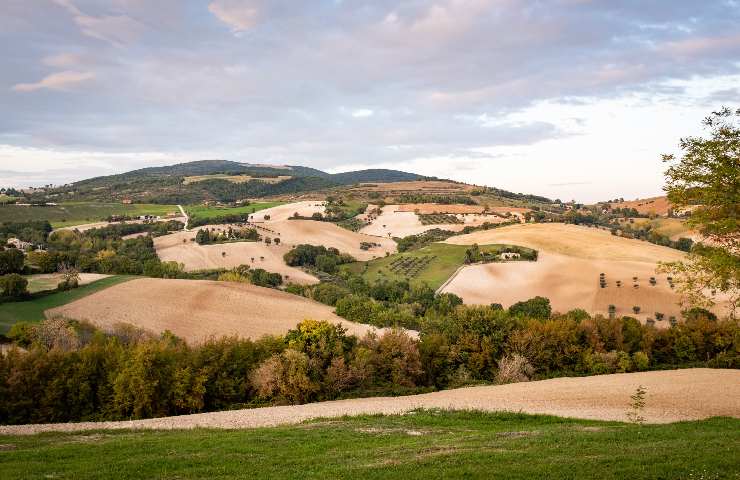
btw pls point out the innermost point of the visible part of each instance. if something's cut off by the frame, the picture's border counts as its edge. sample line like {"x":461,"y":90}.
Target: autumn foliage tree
{"x":706,"y":181}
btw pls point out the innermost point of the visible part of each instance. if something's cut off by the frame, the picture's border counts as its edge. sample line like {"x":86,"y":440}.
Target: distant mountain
{"x":218,"y":180}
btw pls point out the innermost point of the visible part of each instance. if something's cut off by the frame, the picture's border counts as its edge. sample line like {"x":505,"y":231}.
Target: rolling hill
{"x":171,"y":185}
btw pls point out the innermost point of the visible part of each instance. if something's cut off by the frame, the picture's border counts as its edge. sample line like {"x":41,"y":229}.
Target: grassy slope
{"x":77,"y":213}
{"x":448,"y":259}
{"x":670,"y":227}
{"x":33,"y":310}
{"x":203,"y":211}
{"x":424,"y":445}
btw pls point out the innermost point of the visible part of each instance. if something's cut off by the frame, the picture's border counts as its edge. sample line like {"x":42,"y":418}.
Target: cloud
{"x":62,"y":60}
{"x":56,"y":81}
{"x":468,"y":80}
{"x":362,"y":113}
{"x":239,"y":15}
{"x":117,"y":30}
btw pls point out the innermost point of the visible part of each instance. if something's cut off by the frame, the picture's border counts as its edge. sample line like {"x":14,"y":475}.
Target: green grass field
{"x":205,"y":211}
{"x":423,"y":445}
{"x":78,"y":213}
{"x":33,"y":310}
{"x":447,"y":259}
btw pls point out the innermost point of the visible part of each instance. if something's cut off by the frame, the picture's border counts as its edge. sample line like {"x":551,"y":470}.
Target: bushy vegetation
{"x":255,"y":276}
{"x":206,"y":236}
{"x":317,"y":257}
{"x":11,"y":261}
{"x":32,"y":231}
{"x":105,"y":251}
{"x":73,"y":372}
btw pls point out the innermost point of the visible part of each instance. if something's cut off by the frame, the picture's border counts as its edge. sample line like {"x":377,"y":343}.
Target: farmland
{"x":399,"y":221}
{"x":181,"y":248}
{"x":432,"y":264}
{"x":197,"y":309}
{"x":567,"y":272}
{"x":78,"y":213}
{"x":33,"y":310}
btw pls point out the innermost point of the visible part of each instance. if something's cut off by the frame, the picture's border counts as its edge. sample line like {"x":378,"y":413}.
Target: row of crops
{"x":438,"y":218}
{"x":410,"y":266}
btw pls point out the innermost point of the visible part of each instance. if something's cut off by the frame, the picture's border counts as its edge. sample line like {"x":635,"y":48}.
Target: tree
{"x":11,"y":261}
{"x":706,"y":179}
{"x":13,"y":285}
{"x":537,"y":307}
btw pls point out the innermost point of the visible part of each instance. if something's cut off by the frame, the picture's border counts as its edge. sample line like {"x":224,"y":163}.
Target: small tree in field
{"x":637,"y":406}
{"x":636,"y":309}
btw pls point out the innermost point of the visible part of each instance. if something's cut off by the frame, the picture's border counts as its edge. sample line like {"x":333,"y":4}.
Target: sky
{"x":571,"y":99}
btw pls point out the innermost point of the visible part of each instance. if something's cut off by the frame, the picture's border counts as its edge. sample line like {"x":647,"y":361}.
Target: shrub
{"x":641,"y":361}
{"x":513,"y":369}
{"x":285,"y":377}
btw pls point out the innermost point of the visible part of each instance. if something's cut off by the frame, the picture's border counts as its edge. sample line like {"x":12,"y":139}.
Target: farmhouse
{"x":19,"y":244}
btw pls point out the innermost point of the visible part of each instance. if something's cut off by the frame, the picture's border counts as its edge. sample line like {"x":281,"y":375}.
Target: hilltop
{"x":212,"y":180}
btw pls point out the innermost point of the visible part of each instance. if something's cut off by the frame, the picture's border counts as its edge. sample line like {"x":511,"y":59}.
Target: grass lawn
{"x":205,"y":211}
{"x":78,"y":213}
{"x":423,"y":445}
{"x":446,"y":259}
{"x":33,"y":310}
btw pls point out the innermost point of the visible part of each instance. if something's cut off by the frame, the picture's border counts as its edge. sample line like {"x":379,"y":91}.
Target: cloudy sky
{"x":565,"y":98}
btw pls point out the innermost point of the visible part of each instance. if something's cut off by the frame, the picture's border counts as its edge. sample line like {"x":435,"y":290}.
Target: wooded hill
{"x":218,"y":180}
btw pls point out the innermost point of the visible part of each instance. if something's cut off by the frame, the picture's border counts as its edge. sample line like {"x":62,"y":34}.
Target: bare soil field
{"x":646,"y":206}
{"x":567,"y":272}
{"x":672,"y":396}
{"x":181,"y":247}
{"x":284,"y":212}
{"x":198,"y":309}
{"x":397,"y":221}
{"x":574,"y":241}
{"x":294,"y":232}
{"x":570,"y":283}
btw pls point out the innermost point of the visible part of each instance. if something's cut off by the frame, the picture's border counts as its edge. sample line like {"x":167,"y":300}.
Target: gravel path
{"x":672,"y":396}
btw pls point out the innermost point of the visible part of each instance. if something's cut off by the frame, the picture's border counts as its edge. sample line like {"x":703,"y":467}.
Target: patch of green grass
{"x":40,"y":283}
{"x":78,"y":213}
{"x":208,"y":211}
{"x":33,"y":310}
{"x":440,"y":260}
{"x":423,"y":445}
